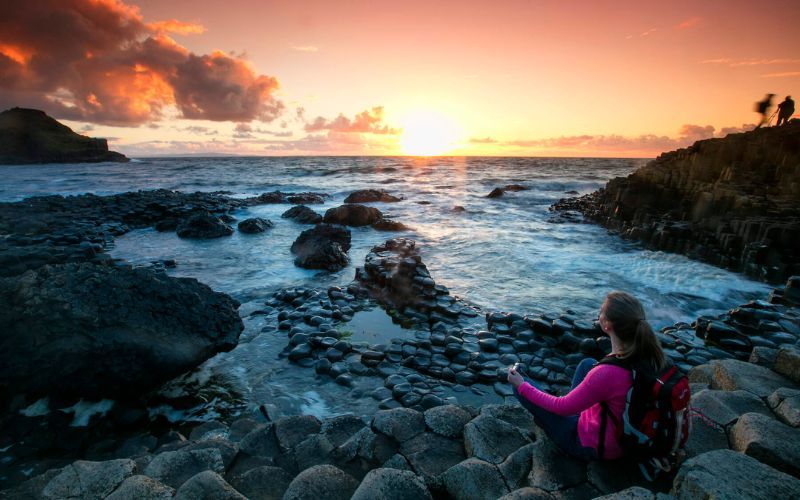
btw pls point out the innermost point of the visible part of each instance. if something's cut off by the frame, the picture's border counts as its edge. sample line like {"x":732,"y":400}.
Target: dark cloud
{"x":369,"y":121}
{"x":98,"y":61}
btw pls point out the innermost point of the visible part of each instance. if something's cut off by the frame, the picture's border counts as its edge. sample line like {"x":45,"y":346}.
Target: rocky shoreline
{"x":733,"y":202}
{"x":744,"y":365}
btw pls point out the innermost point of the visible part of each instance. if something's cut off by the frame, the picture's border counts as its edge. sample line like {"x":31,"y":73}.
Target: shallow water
{"x":501,"y":254}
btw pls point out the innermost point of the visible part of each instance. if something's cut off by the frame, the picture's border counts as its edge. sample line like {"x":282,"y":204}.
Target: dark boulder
{"x":254,"y":225}
{"x":352,"y":215}
{"x":302,"y":214}
{"x":389,"y":225}
{"x":495,"y":193}
{"x":89,"y":330}
{"x":204,"y":226}
{"x":370,"y":195}
{"x":324,"y":246}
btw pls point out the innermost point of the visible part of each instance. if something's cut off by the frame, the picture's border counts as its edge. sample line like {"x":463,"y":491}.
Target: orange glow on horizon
{"x":427,"y":133}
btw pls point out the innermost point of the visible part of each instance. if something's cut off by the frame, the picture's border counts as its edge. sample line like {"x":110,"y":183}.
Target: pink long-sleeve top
{"x":603,"y":383}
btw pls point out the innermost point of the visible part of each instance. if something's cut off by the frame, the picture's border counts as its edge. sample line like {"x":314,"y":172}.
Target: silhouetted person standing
{"x":785,"y":110}
{"x":763,"y":107}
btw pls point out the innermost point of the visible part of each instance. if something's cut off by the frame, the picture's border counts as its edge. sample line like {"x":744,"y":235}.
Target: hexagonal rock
{"x":517,"y":466}
{"x":85,"y":479}
{"x":527,"y":493}
{"x":724,"y":407}
{"x":786,"y":405}
{"x":492,"y":439}
{"x":263,"y":483}
{"x":729,"y":474}
{"x":261,"y":442}
{"x":339,"y":429}
{"x":175,"y":467}
{"x":321,"y":481}
{"x":768,"y":441}
{"x":447,"y":420}
{"x":141,"y":487}
{"x":788,"y":362}
{"x":474,"y":479}
{"x":732,"y":375}
{"x":207,"y":485}
{"x":552,"y":469}
{"x":632,"y":493}
{"x":290,"y":431}
{"x":399,"y":423}
{"x":391,"y":484}
{"x":609,"y":476}
{"x":514,"y":414}
{"x":431,"y":454}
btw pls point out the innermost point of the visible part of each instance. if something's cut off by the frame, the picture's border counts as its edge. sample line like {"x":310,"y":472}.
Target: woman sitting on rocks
{"x":574,"y":421}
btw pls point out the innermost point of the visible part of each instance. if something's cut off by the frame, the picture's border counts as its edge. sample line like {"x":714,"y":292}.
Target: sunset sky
{"x":351,"y":77}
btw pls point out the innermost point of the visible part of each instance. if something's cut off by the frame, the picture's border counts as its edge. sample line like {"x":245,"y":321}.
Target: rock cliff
{"x":30,"y":136}
{"x":734,"y":202}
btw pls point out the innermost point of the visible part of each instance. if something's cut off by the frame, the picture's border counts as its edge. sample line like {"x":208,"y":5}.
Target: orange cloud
{"x":99,"y":62}
{"x":689,"y":23}
{"x":369,"y":121}
{"x":177,"y":27}
{"x":781,"y":75}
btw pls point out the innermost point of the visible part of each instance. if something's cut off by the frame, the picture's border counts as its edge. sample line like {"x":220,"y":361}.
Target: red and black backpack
{"x":655,"y":423}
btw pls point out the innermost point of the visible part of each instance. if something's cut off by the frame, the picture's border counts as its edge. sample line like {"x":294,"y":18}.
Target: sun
{"x":427,"y":133}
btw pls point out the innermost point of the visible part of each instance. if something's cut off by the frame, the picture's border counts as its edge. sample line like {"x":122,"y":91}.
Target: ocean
{"x":502,"y":254}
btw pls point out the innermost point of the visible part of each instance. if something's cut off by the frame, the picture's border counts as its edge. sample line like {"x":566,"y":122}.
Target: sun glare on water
{"x":426,"y":133}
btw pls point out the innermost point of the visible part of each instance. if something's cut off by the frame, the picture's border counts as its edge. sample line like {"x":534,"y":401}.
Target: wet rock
{"x":321,"y":481}
{"x":370,"y":196}
{"x":389,"y":225}
{"x":254,"y":225}
{"x":391,"y":484}
{"x":207,"y":485}
{"x":400,"y":423}
{"x":552,"y":469}
{"x":768,"y":441}
{"x":495,"y":193}
{"x":209,"y":430}
{"x":203,"y":226}
{"x":474,"y":479}
{"x":728,"y":474}
{"x":324,"y":246}
{"x":447,"y":420}
{"x":263,"y":483}
{"x":84,"y":479}
{"x":763,"y":356}
{"x":352,"y":215}
{"x":302,"y":214}
{"x":95,"y":331}
{"x":492,"y":439}
{"x":141,"y":487}
{"x":175,"y":467}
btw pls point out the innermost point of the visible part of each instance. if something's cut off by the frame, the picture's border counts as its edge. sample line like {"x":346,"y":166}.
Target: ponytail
{"x":626,"y":315}
{"x":647,"y":347}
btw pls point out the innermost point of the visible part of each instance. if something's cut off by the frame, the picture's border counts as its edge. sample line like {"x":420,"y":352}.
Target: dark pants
{"x":783,"y":119}
{"x":563,"y":431}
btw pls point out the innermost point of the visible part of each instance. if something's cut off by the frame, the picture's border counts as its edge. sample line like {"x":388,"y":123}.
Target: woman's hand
{"x":514,"y":378}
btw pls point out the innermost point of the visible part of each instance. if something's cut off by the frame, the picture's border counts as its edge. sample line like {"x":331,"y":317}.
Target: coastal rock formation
{"x":370,"y":196}
{"x":500,"y":191}
{"x":30,"y":136}
{"x":305,"y":198}
{"x":254,"y":225}
{"x":302,"y":214}
{"x":734,"y":202}
{"x":352,"y":215}
{"x":203,"y":226}
{"x":89,"y":330}
{"x":324,"y":246}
